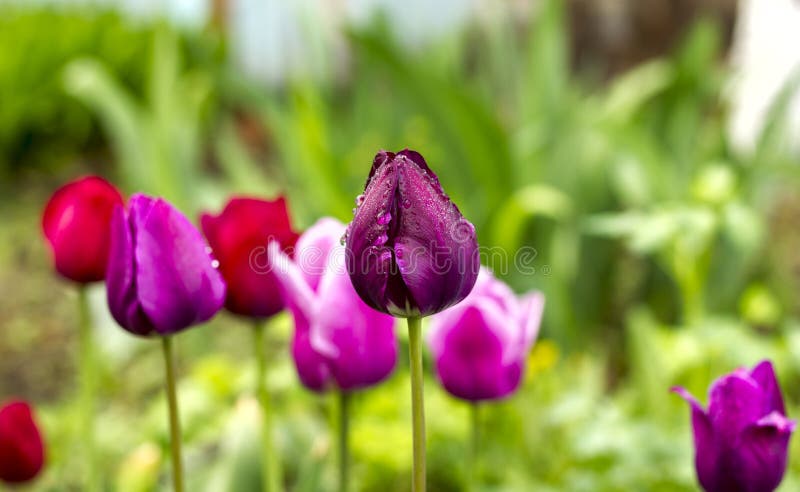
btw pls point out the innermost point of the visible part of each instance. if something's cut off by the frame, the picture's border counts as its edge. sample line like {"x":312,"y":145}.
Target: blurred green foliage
{"x":665,"y":255}
{"x":40,"y":124}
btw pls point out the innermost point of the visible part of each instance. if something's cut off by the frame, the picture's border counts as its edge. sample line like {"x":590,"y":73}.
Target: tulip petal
{"x":735,"y":402}
{"x":178,"y":286}
{"x":296,"y":293}
{"x":761,"y":454}
{"x":764,"y":375}
{"x":315,"y":247}
{"x":370,"y":258}
{"x":532,"y":309}
{"x":121,"y":276}
{"x":312,"y":368}
{"x":435,"y":247}
{"x":707,"y":452}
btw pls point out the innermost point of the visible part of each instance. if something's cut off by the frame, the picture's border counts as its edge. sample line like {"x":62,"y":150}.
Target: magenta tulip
{"x":338,"y":340}
{"x":410,"y":252}
{"x":480,"y":346}
{"x":741,"y":442}
{"x":161,"y":277}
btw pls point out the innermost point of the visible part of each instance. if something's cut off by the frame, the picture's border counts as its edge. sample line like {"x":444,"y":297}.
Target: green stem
{"x":87,"y":398}
{"x":270,"y":463}
{"x":174,"y":418}
{"x":344,"y":432}
{"x":417,"y":403}
{"x":473,"y":463}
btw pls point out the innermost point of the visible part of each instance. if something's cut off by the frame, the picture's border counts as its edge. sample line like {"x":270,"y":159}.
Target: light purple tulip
{"x":480,"y":345}
{"x":741,"y":442}
{"x":410,"y":252}
{"x":338,"y":339}
{"x":161,"y":278}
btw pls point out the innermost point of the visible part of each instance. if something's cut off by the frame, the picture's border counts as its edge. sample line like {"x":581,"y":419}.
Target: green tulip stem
{"x":87,"y":397}
{"x":473,"y":462}
{"x":417,"y":403}
{"x":344,"y":431}
{"x":270,"y":462}
{"x":174,"y":418}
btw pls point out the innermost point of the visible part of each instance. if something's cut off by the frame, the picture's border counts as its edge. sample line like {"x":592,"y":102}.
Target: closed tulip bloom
{"x":76,"y":223}
{"x":410,"y":252}
{"x":338,"y":339}
{"x":480,"y":346}
{"x":239,"y":237}
{"x":161,"y":277}
{"x":21,"y":444}
{"x":741,"y":441}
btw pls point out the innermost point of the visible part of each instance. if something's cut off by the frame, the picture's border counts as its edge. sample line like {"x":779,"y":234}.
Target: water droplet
{"x":384,"y":218}
{"x":382,"y":239}
{"x":214,"y":263}
{"x":359,"y":200}
{"x":406,"y":203}
{"x":208,"y":250}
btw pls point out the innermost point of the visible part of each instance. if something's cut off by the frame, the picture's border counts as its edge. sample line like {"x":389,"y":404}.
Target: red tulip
{"x":21,"y":446}
{"x":76,"y":222}
{"x":239,"y":236}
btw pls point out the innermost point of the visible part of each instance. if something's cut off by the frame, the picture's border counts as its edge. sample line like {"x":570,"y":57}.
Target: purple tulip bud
{"x":338,"y":339}
{"x":161,"y":278}
{"x":410,"y":252}
{"x":741,"y":442}
{"x":480,"y":346}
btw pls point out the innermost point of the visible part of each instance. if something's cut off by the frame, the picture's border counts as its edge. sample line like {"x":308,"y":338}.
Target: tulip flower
{"x":161,"y":276}
{"x":76,"y":223}
{"x":480,"y":346}
{"x":239,"y":236}
{"x":161,"y":279}
{"x":410,"y":253}
{"x":21,"y":444}
{"x":741,"y":441}
{"x":338,"y":341}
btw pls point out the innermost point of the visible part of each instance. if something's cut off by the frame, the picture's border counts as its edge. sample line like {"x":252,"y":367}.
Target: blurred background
{"x":647,"y":150}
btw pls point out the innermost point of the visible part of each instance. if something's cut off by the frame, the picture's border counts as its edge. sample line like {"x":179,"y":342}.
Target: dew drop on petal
{"x":214,"y":263}
{"x":385,"y":218}
{"x":382,"y":239}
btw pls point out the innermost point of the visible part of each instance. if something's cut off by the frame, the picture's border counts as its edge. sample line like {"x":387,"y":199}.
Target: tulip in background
{"x":741,"y":441}
{"x":480,"y":346}
{"x":161,"y":280}
{"x":239,"y":236}
{"x":339,"y":342}
{"x":410,"y":253}
{"x":76,"y":223}
{"x":22,"y":454}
